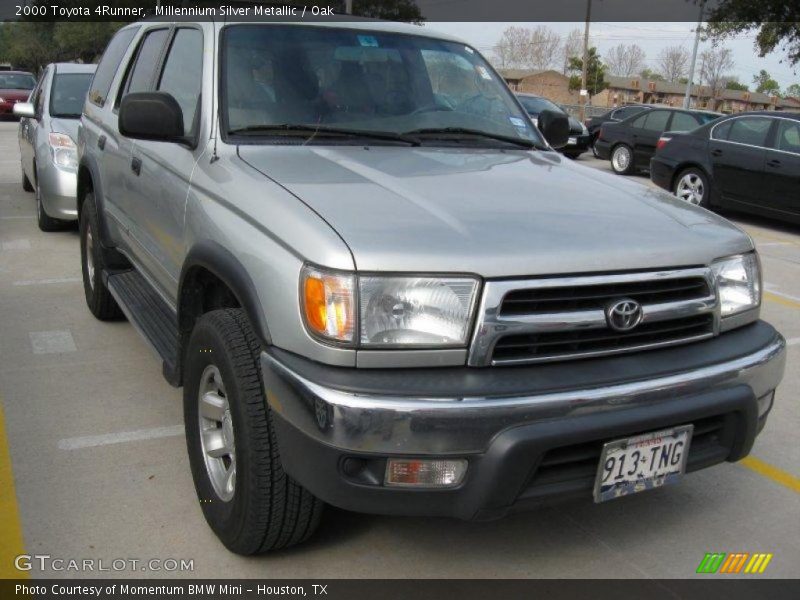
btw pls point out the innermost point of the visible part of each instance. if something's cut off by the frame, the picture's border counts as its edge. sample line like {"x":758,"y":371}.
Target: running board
{"x":150,"y":315}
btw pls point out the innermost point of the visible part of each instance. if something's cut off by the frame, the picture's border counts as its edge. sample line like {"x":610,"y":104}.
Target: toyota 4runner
{"x":381,"y":288}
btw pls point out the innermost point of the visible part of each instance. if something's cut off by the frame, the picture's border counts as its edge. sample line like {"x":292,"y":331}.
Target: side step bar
{"x":150,"y":315}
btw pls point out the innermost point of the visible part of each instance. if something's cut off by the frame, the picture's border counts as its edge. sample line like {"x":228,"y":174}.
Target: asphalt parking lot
{"x":94,"y":436}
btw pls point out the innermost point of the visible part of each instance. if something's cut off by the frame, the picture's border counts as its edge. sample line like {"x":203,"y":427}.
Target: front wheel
{"x":692,"y":186}
{"x":249,"y":502}
{"x":98,"y":298}
{"x":622,"y":159}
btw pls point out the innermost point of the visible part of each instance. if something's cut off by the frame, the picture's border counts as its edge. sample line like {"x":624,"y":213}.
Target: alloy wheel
{"x":89,"y":257}
{"x":690,"y":189}
{"x":216,"y":433}
{"x":621,"y":158}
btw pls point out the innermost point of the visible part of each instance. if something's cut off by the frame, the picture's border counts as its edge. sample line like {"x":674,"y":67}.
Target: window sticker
{"x":483,"y":72}
{"x":370,"y":41}
{"x":469,"y":50}
{"x":517,"y":122}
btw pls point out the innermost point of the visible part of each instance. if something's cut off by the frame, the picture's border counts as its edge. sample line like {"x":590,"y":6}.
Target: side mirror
{"x":24,"y":109}
{"x":153,"y":116}
{"x":555,"y":128}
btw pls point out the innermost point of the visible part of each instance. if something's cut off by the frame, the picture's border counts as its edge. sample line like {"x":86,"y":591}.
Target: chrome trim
{"x":775,"y":118}
{"x":399,"y":425}
{"x":491,"y":326}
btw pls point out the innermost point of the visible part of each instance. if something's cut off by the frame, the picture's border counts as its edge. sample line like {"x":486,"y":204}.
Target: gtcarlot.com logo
{"x":734,"y":563}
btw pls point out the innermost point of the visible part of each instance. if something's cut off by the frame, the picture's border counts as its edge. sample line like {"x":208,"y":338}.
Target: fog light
{"x":765,"y":404}
{"x":425,"y":473}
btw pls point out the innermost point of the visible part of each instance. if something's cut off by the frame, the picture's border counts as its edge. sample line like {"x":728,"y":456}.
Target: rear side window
{"x":639,"y":122}
{"x":109,"y":65}
{"x":656,"y":120}
{"x":750,"y":130}
{"x":683,"y":122}
{"x":788,"y":138}
{"x":141,"y":76}
{"x":624,"y":113}
{"x":183,"y":74}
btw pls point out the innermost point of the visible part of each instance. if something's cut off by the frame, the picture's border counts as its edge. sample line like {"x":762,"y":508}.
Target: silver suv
{"x":381,"y":288}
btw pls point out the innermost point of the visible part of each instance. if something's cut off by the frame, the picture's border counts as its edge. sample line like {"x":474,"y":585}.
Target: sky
{"x":652,"y":37}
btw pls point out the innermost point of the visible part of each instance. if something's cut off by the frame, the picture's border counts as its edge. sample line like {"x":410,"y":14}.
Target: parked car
{"x":382,"y":289}
{"x":48,"y":129}
{"x":579,"y":139}
{"x":630,"y":144}
{"x":612,"y":116}
{"x":748,"y":162}
{"x":15,"y":86}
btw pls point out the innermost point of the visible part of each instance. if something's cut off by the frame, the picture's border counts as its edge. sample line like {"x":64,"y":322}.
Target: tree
{"x":672,"y":63}
{"x":793,"y":90}
{"x":389,"y":10}
{"x":774,"y":20}
{"x":595,"y":73}
{"x":572,"y":48}
{"x":734,"y":84}
{"x":544,"y":45}
{"x":651,"y":75}
{"x":624,"y":60}
{"x":715,"y":64}
{"x":512,"y":48}
{"x":766,"y":84}
{"x":523,"y":48}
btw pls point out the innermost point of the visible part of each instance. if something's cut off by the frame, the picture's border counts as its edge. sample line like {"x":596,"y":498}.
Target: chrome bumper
{"x":396,"y":424}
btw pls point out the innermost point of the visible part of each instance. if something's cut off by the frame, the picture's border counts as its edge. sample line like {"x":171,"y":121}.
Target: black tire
{"x":45,"y":221}
{"x":696,"y":189}
{"x":618,"y":166}
{"x":98,"y":298}
{"x":26,"y":183}
{"x":572,"y":155}
{"x":595,"y":153}
{"x":268,"y":510}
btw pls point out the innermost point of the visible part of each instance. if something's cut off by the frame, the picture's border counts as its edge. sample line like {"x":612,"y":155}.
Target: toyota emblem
{"x":624,"y":314}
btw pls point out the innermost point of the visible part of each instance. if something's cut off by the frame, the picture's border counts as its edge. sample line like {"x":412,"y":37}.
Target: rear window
{"x":68,"y":94}
{"x":17,"y":81}
{"x":109,"y":65}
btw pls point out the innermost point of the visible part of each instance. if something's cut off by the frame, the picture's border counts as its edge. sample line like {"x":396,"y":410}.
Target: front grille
{"x":554,"y":300}
{"x":573,"y":468}
{"x":554,"y":345}
{"x":565,"y":318}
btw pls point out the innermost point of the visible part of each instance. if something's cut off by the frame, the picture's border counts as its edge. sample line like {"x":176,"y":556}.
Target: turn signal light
{"x":435,"y":473}
{"x":328,"y":304}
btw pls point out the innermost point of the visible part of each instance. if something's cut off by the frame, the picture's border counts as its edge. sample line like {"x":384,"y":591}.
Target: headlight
{"x":63,"y":151}
{"x":402,"y":311}
{"x":739,"y":283}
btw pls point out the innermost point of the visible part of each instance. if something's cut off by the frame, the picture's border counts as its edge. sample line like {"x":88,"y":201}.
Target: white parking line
{"x":51,"y":342}
{"x":793,"y":341}
{"x":91,"y":441}
{"x":47,"y":281}
{"x":773,"y":289}
{"x":17,"y":245}
{"x":9,"y":218}
{"x":765,"y":244}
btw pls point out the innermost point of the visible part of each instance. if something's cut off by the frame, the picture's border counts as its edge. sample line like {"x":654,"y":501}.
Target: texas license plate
{"x":642,"y":463}
{"x":572,"y":141}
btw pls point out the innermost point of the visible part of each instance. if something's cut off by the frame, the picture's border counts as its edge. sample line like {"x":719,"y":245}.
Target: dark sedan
{"x":612,"y":116}
{"x":748,"y":162}
{"x":579,"y":138}
{"x":630,"y":144}
{"x":15,"y":86}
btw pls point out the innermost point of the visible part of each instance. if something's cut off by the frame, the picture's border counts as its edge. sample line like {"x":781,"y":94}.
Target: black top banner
{"x":778,"y":11}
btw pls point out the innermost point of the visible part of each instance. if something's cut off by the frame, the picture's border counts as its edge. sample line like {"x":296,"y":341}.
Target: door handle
{"x":716,"y":152}
{"x":774,"y":163}
{"x":101,"y":142}
{"x":136,"y":165}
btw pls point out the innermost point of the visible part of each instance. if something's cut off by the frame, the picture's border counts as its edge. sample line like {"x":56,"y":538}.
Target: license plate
{"x":640,"y":463}
{"x":572,"y":141}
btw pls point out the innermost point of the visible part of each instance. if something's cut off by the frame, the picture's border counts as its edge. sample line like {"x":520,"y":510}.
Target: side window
{"x":750,"y":130}
{"x":639,"y":122}
{"x":788,"y":138}
{"x":722,"y":130}
{"x":140,"y":77}
{"x":682,"y":121}
{"x":182,"y":76}
{"x":624,"y":113}
{"x":656,"y":120}
{"x":109,"y":65}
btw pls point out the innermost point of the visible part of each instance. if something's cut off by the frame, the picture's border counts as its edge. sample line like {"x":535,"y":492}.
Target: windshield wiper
{"x":456,"y":132}
{"x":314,"y":130}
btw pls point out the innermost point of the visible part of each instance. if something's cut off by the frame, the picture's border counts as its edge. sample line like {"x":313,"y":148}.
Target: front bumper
{"x":578,"y":143}
{"x":527,"y":435}
{"x":59,"y":190}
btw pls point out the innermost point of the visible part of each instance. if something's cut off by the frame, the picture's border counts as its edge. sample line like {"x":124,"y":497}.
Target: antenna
{"x":214,"y":98}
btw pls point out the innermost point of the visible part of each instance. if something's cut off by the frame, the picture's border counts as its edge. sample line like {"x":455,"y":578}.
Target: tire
{"x":572,"y":155}
{"x":622,"y":159}
{"x":46,"y":222}
{"x":98,"y":298}
{"x":595,"y":153}
{"x":26,"y":183}
{"x":691,"y":185}
{"x":264,"y":509}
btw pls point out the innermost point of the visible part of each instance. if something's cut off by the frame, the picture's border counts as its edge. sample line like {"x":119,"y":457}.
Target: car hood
{"x":491,"y":212}
{"x":68,"y":126}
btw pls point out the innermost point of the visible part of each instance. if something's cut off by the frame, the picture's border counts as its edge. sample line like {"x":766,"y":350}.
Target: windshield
{"x":68,"y":94}
{"x":290,"y":77}
{"x":17,"y":81}
{"x":535,"y":105}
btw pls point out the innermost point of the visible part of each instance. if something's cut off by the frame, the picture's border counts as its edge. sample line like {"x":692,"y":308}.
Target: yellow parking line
{"x":781,"y":300}
{"x":10,"y":528}
{"x":773,"y":473}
